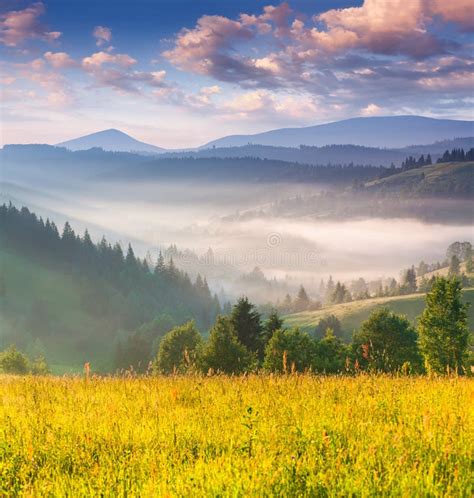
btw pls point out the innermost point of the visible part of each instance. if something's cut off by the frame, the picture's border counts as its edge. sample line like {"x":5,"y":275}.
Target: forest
{"x":154,"y":314}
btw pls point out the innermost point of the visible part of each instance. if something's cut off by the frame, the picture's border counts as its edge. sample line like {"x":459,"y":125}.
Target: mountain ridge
{"x":110,"y":140}
{"x":377,"y":131}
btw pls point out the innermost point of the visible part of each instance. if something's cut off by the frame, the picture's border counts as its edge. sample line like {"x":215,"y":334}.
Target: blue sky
{"x":179,"y":73}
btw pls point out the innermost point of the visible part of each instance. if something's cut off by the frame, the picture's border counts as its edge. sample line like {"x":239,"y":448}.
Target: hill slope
{"x":450,"y":179}
{"x":389,"y":131}
{"x":353,"y":314}
{"x":334,"y":154}
{"x":113,"y":140}
{"x":77,"y":300}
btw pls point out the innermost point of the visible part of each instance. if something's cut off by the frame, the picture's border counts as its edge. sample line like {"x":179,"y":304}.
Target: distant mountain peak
{"x":111,"y":140}
{"x":374,"y":131}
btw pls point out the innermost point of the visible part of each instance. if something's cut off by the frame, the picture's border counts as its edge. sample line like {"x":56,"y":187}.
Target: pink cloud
{"x":17,"y":26}
{"x":460,"y":12}
{"x":98,"y":59}
{"x":59,"y":60}
{"x":195,"y":49}
{"x":115,"y":71}
{"x":379,"y":26}
{"x":103,"y":35}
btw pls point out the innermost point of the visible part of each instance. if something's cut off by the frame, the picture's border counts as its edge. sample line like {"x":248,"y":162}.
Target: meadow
{"x":351,"y":315}
{"x":257,"y":435}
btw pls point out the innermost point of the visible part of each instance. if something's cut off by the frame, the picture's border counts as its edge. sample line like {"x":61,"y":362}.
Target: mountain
{"x":389,"y":131}
{"x":334,"y":154}
{"x":113,"y":140}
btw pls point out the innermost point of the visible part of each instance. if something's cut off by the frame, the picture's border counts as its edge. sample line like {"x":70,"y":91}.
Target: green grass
{"x":295,"y":435}
{"x":435,"y":176}
{"x":353,"y":314}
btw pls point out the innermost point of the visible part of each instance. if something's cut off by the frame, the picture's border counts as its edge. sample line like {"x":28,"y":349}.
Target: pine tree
{"x":302,"y":300}
{"x":246,"y":321}
{"x":443,"y":327}
{"x":160,"y":265}
{"x":272,"y":324}
{"x":454,"y":265}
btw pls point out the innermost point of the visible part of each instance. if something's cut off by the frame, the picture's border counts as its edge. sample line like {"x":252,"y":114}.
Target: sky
{"x":179,"y":73}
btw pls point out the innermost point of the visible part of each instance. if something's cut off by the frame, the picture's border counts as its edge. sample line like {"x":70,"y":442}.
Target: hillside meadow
{"x":351,"y":315}
{"x":295,"y":435}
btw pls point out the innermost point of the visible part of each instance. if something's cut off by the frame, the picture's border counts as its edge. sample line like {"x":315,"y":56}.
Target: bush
{"x":331,"y":354}
{"x":13,"y":361}
{"x":223,"y":352}
{"x":386,"y":342}
{"x":178,"y":349}
{"x":289,"y":350}
{"x":39,"y":366}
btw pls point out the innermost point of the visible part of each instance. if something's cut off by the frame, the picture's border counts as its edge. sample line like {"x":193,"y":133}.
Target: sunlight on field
{"x":354,"y":313}
{"x":247,"y":436}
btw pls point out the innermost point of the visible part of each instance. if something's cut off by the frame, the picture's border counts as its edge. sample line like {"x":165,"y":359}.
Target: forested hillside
{"x":72,"y":300}
{"x":441,"y":192}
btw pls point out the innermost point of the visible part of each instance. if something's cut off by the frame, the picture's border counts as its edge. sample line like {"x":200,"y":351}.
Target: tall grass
{"x":247,"y":436}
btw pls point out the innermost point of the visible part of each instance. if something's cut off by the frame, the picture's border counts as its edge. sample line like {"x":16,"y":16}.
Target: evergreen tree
{"x":443,"y":327}
{"x":454,"y":266}
{"x":409,"y":281}
{"x":302,"y":300}
{"x":160,"y":265}
{"x":325,"y":323}
{"x":271,"y":325}
{"x":330,"y":354}
{"x":223,"y":352}
{"x":330,"y":287}
{"x":246,"y":322}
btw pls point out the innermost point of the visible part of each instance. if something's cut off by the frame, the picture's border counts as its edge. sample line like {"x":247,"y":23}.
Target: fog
{"x":195,"y":216}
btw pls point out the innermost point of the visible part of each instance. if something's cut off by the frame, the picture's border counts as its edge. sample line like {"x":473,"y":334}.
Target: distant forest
{"x":118,"y":290}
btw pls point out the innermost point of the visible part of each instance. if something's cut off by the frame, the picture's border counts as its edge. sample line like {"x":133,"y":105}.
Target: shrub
{"x":223,"y":352}
{"x":178,"y":349}
{"x":386,"y":342}
{"x":13,"y":361}
{"x":289,"y":350}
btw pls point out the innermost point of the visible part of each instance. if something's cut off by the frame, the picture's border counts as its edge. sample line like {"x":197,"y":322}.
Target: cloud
{"x":382,"y":51}
{"x":103,"y":35}
{"x":371,"y":110}
{"x":115,"y":71}
{"x":460,"y":12}
{"x":17,"y":26}
{"x":198,"y":49}
{"x":211,"y":90}
{"x":59,"y":60}
{"x":270,"y":106}
{"x":98,"y":59}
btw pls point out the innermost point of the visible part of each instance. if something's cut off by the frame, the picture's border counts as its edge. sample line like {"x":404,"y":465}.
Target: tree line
{"x":115,"y":286}
{"x":386,"y":342}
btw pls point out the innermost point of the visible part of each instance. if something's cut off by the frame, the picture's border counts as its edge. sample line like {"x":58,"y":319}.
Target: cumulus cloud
{"x":98,"y":59}
{"x":198,"y":49}
{"x":59,"y":60}
{"x":460,"y":12}
{"x":103,"y":35}
{"x":116,"y":71}
{"x":17,"y":26}
{"x":383,"y":49}
{"x":371,"y":110}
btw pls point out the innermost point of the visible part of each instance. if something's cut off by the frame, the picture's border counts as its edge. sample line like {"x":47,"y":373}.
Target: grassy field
{"x":246,"y":436}
{"x":353,"y":314}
